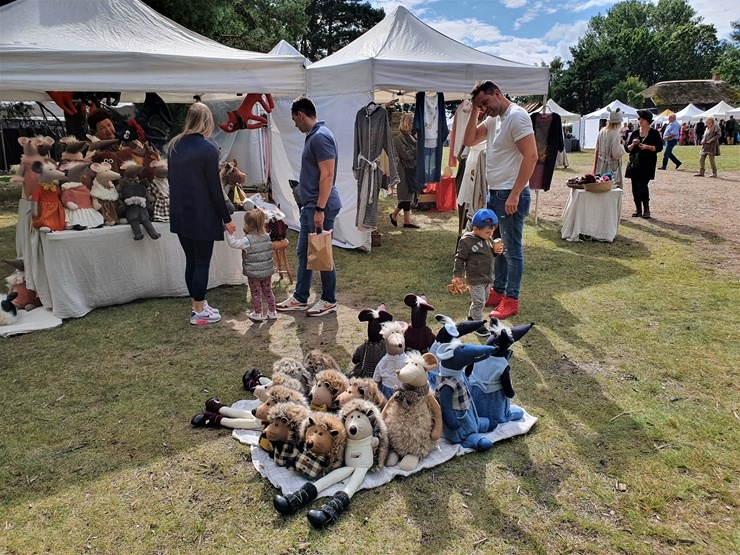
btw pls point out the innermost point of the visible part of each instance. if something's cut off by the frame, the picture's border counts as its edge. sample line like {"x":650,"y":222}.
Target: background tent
{"x":688,"y":113}
{"x":718,"y":111}
{"x":565,"y":115}
{"x":399,"y":54}
{"x":125,"y":46}
{"x":589,"y":128}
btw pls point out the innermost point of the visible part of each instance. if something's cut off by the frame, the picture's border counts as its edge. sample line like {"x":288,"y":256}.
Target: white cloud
{"x":582,"y":6}
{"x":535,"y":11}
{"x":468,"y":31}
{"x":718,"y":13}
{"x":514,"y":3}
{"x":528,"y":51}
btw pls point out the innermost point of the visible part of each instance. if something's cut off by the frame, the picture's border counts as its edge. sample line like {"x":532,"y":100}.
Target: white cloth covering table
{"x":593,"y":214}
{"x":77,"y":271}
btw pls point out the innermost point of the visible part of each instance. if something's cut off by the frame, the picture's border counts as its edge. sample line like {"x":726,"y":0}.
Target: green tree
{"x":333,"y":24}
{"x":629,"y":91}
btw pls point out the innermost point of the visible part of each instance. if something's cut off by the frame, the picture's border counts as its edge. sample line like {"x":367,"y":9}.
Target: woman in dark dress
{"x":405,"y":144}
{"x":198,"y":212}
{"x":644,"y":144}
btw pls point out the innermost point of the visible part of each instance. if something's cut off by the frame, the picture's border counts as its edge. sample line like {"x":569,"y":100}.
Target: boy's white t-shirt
{"x":503,"y":157}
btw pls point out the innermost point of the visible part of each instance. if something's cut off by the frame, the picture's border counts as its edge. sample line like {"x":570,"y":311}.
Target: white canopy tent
{"x":125,"y":46}
{"x":689,"y":113}
{"x":589,"y":128}
{"x":718,"y":111}
{"x":565,"y":115}
{"x":399,"y":54}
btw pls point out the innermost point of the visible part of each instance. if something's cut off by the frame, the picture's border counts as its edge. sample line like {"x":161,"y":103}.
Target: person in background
{"x":257,"y":263}
{"x":510,"y":161}
{"x":699,"y":131}
{"x":670,"y":138}
{"x":610,"y":149}
{"x":198,"y":212}
{"x":644,"y":142}
{"x":321,"y":204}
{"x":730,"y":130}
{"x":474,"y":261}
{"x":407,"y":189}
{"x":709,"y":147}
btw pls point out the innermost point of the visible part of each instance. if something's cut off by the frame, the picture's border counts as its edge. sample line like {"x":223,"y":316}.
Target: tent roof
{"x":403,"y":54}
{"x":123,"y":45}
{"x":601,"y":113}
{"x":719,"y":110}
{"x":565,"y":115}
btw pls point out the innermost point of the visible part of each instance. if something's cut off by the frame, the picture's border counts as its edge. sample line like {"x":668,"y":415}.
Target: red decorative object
{"x":244,"y":117}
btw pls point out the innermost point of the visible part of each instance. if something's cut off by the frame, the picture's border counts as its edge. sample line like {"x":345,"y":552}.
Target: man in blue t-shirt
{"x":321,"y":205}
{"x":670,"y":138}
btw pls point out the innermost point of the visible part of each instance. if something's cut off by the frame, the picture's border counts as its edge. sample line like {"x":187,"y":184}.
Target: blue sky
{"x":531,"y":31}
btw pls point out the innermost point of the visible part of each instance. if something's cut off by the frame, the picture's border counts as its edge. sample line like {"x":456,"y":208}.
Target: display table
{"x":593,"y":214}
{"x":77,"y":271}
{"x":445,"y":194}
{"x":572,"y":145}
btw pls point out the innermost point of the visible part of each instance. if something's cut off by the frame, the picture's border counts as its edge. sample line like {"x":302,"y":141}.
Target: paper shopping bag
{"x":319,"y":252}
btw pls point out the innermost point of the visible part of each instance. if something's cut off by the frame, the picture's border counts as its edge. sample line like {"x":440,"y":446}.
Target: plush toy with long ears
{"x":104,"y":192}
{"x":47,"y":211}
{"x":244,"y":117}
{"x":77,"y":200}
{"x":490,"y":379}
{"x":449,"y":331}
{"x":462,"y":424}
{"x":419,"y":336}
{"x":367,"y":355}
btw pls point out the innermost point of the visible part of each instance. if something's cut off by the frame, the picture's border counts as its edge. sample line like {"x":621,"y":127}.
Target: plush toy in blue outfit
{"x":461,"y":423}
{"x":490,"y":379}
{"x":447,"y":333}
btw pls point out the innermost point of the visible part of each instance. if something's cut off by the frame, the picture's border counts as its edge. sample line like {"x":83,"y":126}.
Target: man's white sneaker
{"x":256,"y":317}
{"x":322,"y":307}
{"x":291,"y":304}
{"x":205,"y":317}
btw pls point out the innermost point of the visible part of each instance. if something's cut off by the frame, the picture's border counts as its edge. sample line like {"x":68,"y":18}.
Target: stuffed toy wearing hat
{"x":419,"y":336}
{"x":490,"y":379}
{"x":372,"y":350}
{"x":462,"y":424}
{"x":366,"y":450}
{"x":449,"y":331}
{"x":412,"y":415}
{"x":394,"y":358}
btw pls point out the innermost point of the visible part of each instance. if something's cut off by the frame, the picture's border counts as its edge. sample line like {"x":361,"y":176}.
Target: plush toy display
{"x":8,"y":312}
{"x":104,"y":192}
{"x":275,"y":395}
{"x":155,"y":172}
{"x":366,"y":450}
{"x":413,"y":415}
{"x":329,"y":385}
{"x":134,"y":195}
{"x":394,"y":358}
{"x":449,"y":330}
{"x":286,"y":371}
{"x":34,"y":150}
{"x":323,"y":441}
{"x":232,"y":178}
{"x":462,"y":424}
{"x":74,"y":150}
{"x":317,"y":360}
{"x":218,"y":415}
{"x":363,"y":388}
{"x":490,"y":379}
{"x":367,"y":355}
{"x":77,"y":199}
{"x":244,"y":117}
{"x":419,"y":336}
{"x":283,"y":430}
{"x":48,"y":211}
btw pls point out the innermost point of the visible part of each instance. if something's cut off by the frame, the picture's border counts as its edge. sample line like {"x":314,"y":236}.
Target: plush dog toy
{"x":419,"y":336}
{"x":462,"y":425}
{"x":366,"y":450}
{"x":394,"y":358}
{"x":232,"y":178}
{"x":323,"y":440}
{"x":367,"y":355}
{"x":363,"y":388}
{"x":490,"y":379}
{"x":244,"y":117}
{"x":329,"y":385}
{"x":413,"y":415}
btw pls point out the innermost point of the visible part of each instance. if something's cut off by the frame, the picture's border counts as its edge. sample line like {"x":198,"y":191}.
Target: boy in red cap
{"x":474,"y":260}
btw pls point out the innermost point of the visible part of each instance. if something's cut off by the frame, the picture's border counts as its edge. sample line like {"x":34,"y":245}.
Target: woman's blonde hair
{"x":613,"y":126}
{"x":710,"y":118}
{"x":198,"y":121}
{"x":407,"y":123}
{"x":254,"y":221}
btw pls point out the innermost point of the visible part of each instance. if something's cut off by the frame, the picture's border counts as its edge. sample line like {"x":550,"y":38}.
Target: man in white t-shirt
{"x":511,"y":158}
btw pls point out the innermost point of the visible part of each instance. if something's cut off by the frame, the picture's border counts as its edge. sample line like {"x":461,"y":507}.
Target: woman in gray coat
{"x":709,"y":147}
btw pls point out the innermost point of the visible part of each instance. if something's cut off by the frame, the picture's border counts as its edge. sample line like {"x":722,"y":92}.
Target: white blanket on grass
{"x":38,"y":319}
{"x":289,"y":480}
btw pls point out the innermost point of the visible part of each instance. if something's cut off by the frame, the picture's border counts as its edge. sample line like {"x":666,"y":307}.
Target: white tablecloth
{"x":77,"y":271}
{"x":594,"y":214}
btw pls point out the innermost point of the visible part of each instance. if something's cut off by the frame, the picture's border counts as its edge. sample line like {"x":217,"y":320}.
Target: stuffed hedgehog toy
{"x":366,"y":450}
{"x":490,"y":380}
{"x":419,"y":336}
{"x":283,"y":430}
{"x":323,"y":439}
{"x":363,"y":388}
{"x":367,"y":355}
{"x":329,"y":385}
{"x":462,"y":425}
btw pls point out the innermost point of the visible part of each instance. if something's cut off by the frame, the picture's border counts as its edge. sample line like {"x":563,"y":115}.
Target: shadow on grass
{"x":673,"y":232}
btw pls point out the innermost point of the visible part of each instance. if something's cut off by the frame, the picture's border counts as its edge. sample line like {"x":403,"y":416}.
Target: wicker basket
{"x":602,"y":187}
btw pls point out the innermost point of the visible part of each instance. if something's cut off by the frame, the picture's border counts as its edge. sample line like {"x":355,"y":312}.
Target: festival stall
{"x":589,"y":128}
{"x":126,"y":47}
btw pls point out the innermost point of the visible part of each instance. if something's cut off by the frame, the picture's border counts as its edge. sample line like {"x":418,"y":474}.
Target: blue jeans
{"x":509,"y":267}
{"x":305,"y":276}
{"x":668,"y":153}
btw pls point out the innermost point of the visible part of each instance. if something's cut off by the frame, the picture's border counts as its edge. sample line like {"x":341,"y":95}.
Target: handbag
{"x":632,"y":164}
{"x":319,"y":252}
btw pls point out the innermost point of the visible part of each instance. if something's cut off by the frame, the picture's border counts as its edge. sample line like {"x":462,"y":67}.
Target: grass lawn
{"x":632,"y":369}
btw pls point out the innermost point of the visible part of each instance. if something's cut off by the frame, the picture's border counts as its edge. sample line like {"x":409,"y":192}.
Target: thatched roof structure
{"x":702,"y":93}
